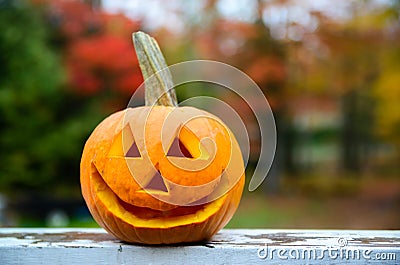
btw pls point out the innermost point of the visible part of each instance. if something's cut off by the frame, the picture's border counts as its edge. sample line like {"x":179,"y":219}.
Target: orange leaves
{"x":267,"y":69}
{"x":224,"y":38}
{"x":119,"y":25}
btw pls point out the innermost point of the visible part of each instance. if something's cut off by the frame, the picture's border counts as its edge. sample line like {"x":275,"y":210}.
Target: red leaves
{"x":83,"y":81}
{"x":101,"y":61}
{"x":74,"y":18}
{"x":99,"y":53}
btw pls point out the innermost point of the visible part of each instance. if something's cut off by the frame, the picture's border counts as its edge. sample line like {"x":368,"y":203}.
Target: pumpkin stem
{"x":159,"y":89}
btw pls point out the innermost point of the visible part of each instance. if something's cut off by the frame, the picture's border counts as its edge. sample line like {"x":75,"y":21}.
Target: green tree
{"x":63,"y":68}
{"x":38,"y":137}
{"x":30,"y":76}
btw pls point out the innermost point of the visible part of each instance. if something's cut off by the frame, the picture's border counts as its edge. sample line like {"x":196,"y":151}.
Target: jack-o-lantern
{"x":161,"y":174}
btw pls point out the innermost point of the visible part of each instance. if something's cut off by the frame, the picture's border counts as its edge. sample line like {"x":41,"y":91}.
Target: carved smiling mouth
{"x":145,"y":212}
{"x":132,"y":194}
{"x":161,"y":173}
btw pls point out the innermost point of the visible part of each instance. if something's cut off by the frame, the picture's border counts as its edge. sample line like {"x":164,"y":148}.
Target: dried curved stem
{"x":159,"y":89}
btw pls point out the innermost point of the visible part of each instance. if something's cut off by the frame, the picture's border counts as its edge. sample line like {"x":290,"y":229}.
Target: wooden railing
{"x":230,"y":246}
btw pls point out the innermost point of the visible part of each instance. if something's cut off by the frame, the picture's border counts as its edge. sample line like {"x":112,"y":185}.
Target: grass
{"x":369,"y":204}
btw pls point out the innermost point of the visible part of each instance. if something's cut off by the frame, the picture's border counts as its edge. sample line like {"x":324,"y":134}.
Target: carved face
{"x":161,"y":170}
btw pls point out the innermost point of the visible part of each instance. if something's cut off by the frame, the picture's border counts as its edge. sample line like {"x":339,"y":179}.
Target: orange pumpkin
{"x":161,"y":174}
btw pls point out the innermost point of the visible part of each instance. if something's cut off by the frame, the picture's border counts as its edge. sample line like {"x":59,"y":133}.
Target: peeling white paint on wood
{"x":229,"y":246}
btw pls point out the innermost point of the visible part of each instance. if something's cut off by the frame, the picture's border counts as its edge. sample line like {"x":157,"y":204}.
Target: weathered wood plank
{"x":236,"y":246}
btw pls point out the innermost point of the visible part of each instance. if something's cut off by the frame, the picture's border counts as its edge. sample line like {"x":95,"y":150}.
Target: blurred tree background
{"x":331,"y":73}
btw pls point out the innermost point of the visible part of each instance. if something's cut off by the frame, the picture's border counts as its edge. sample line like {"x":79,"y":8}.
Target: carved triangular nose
{"x":156,"y":183}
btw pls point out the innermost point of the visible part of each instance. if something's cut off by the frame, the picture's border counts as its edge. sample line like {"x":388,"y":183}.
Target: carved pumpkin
{"x":161,"y":174}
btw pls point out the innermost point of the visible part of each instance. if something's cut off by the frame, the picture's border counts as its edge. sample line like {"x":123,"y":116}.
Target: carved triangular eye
{"x":177,"y":149}
{"x":133,"y":151}
{"x":156,"y":183}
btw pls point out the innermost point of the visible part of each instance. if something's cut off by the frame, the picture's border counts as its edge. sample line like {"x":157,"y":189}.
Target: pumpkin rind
{"x":104,"y":197}
{"x":137,"y":181}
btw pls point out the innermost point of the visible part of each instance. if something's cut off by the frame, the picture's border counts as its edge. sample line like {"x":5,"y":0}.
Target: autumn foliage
{"x":331,"y":83}
{"x":98,"y":48}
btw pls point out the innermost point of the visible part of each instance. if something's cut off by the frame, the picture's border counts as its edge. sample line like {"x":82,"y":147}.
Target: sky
{"x":156,"y":13}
